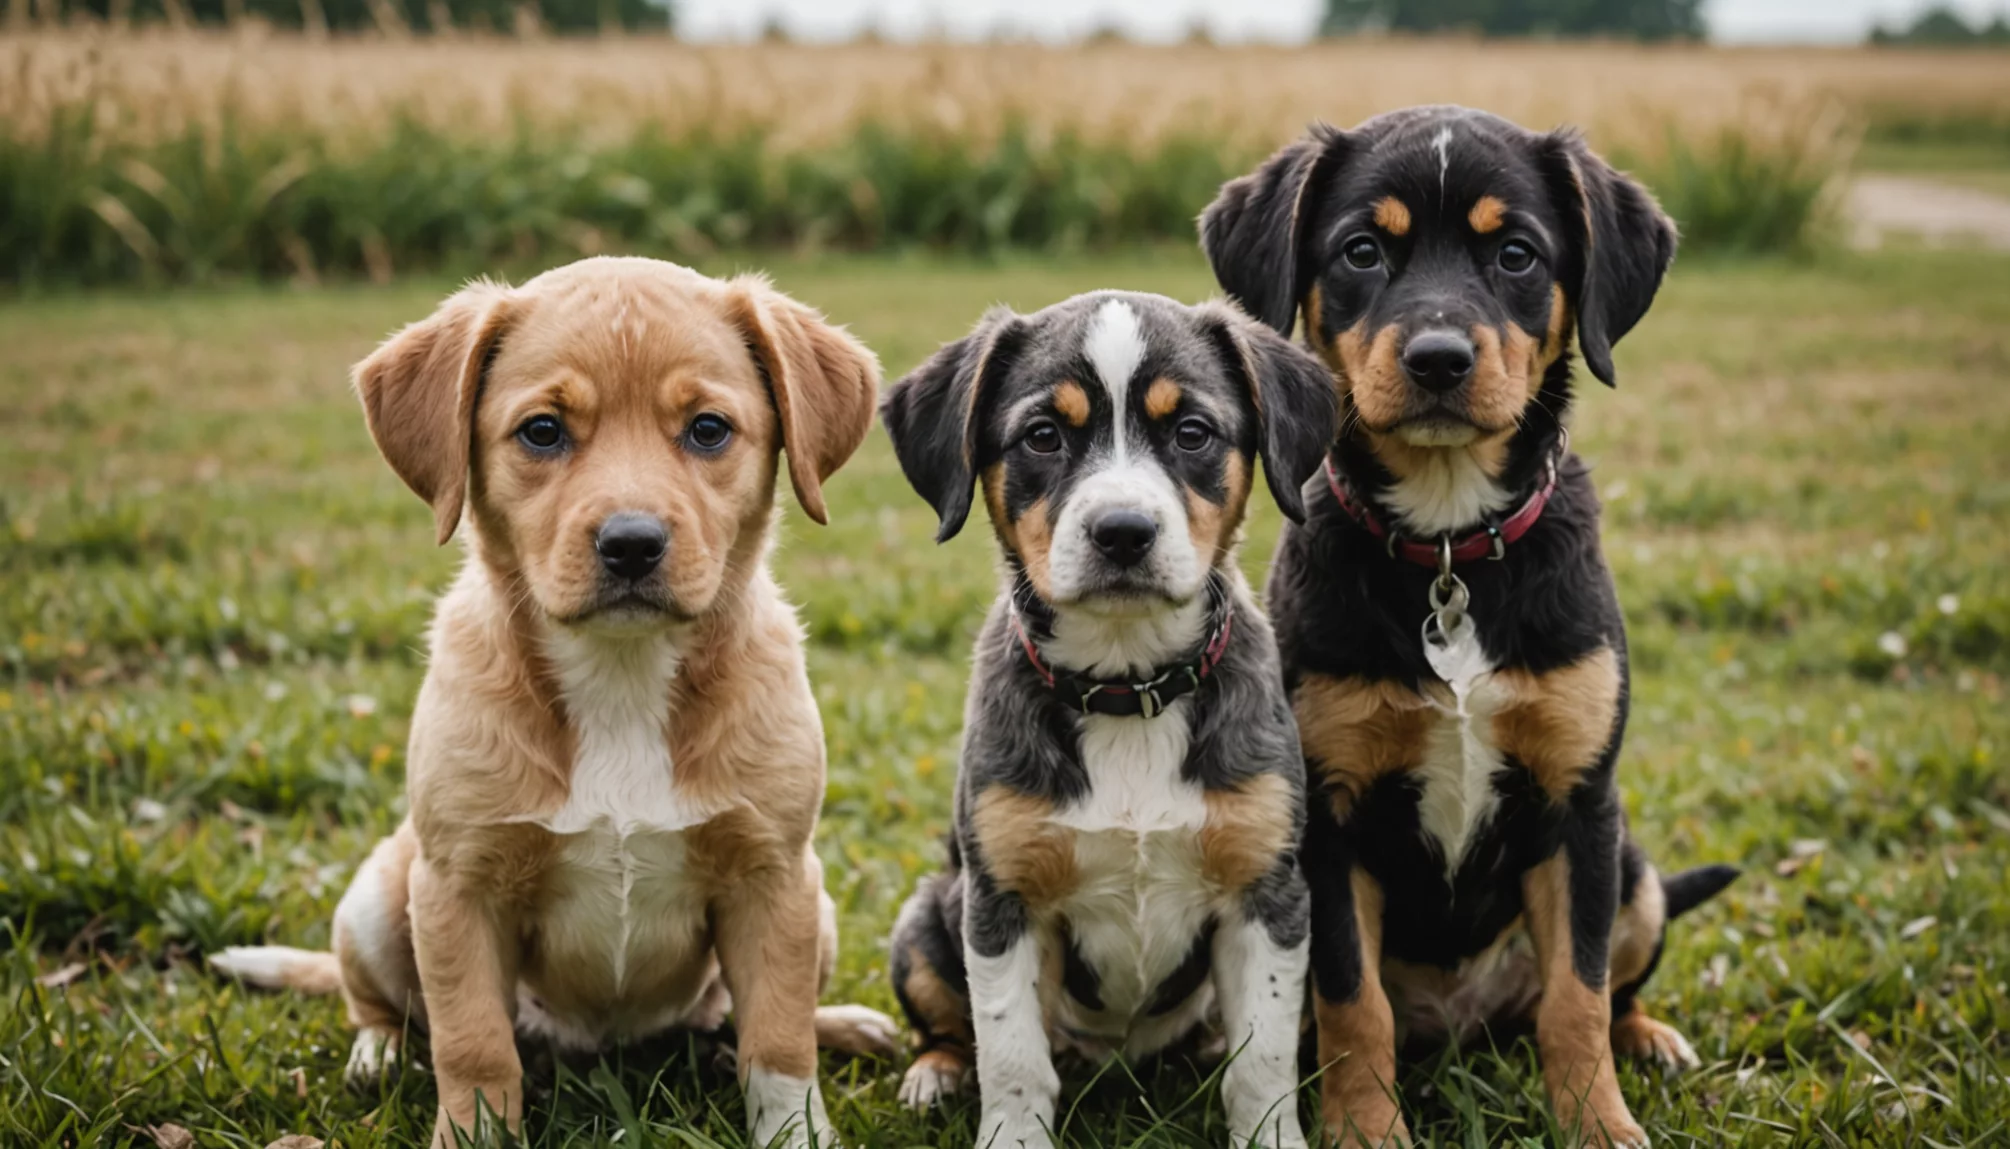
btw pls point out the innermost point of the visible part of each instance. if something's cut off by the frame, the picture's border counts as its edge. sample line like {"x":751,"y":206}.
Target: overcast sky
{"x":1731,"y":21}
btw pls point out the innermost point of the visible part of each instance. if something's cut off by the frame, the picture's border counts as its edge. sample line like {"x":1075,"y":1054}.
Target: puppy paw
{"x":934,"y":1076}
{"x":375,"y":1051}
{"x":857,"y":1030}
{"x":1626,"y":1135}
{"x":1638,"y":1035}
{"x":1611,"y":1130}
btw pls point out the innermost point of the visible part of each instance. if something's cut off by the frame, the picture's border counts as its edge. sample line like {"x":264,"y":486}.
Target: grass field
{"x":214,"y":592}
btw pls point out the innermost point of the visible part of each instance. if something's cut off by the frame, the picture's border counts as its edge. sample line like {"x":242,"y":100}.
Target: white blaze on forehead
{"x":1115,"y":346}
{"x":1443,"y":143}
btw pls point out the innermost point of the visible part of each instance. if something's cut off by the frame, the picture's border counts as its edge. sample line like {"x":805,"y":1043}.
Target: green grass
{"x":214,"y":592}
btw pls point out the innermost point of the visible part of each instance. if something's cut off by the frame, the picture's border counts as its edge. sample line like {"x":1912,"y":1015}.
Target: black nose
{"x":631,"y":544}
{"x":1124,"y":537}
{"x":1438,"y":360}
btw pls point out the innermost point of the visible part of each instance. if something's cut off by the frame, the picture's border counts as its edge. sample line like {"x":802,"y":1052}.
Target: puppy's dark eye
{"x":1192,"y":435}
{"x":1043,"y":438}
{"x":1516,"y":257}
{"x":708,"y":432}
{"x":542,"y":433}
{"x":1362,"y":253}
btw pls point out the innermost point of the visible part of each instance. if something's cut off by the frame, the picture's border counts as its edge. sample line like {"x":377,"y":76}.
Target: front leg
{"x":766,"y":932}
{"x":1571,"y":900}
{"x":1357,"y":1025}
{"x":1259,"y":979}
{"x":1015,"y":1064}
{"x":466,"y":956}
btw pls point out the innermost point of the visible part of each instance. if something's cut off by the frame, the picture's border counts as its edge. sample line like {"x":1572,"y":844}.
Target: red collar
{"x":1489,"y":542}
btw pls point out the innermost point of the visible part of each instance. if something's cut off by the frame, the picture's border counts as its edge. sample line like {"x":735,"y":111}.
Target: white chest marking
{"x":1457,"y":775}
{"x":1142,"y":898}
{"x":617,"y":696}
{"x":1450,"y":490}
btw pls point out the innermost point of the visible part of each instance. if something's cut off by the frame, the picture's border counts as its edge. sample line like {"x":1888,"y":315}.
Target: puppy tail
{"x":1691,"y":888}
{"x":280,"y":967}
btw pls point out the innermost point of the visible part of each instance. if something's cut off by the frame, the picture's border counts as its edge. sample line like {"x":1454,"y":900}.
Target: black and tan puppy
{"x":1468,"y":858}
{"x":1123,"y":867}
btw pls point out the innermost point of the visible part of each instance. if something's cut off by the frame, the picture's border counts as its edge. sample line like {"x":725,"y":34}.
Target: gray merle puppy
{"x":1123,"y":868}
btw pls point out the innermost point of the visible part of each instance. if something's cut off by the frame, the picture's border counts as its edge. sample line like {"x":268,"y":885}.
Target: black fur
{"x":1629,"y":243}
{"x":1346,"y":609}
{"x":935,"y":443}
{"x":972,"y":410}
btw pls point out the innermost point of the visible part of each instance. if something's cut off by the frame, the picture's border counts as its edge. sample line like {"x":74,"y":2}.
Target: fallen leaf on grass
{"x":299,"y":1077}
{"x":1800,"y":854}
{"x":1917,"y":926}
{"x":296,"y":1141}
{"x":169,"y":1136}
{"x":58,"y":978}
{"x":1720,"y":968}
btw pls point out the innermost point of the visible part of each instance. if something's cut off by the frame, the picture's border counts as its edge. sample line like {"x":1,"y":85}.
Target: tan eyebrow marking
{"x":1162,"y":399}
{"x":1392,"y":215}
{"x":1073,"y":403}
{"x":1488,"y":214}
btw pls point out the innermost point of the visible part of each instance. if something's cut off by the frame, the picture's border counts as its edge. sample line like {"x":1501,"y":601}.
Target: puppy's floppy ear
{"x":1255,"y":231}
{"x":1297,"y":404}
{"x":419,"y":389}
{"x":932,"y":415}
{"x":823,"y":382}
{"x":1625,"y":243}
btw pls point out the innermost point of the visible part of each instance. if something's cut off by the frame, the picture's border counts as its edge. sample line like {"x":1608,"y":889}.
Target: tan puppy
{"x":616,"y":762}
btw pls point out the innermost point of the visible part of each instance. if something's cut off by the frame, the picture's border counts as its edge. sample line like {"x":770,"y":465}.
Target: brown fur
{"x":1072,"y":403}
{"x":419,"y":391}
{"x":950,"y":1063}
{"x":1557,"y":722}
{"x":1573,"y":1026}
{"x":1392,"y":215}
{"x":1315,"y":323}
{"x":1246,"y":830}
{"x":1355,"y":731}
{"x":1501,"y":384}
{"x":1213,"y":527}
{"x":1030,"y":536}
{"x":947,"y":1011}
{"x":1027,"y":854}
{"x":1162,"y":398}
{"x":1367,"y":367}
{"x":823,"y":383}
{"x":1639,"y":1036}
{"x":1488,"y":214}
{"x":1357,"y":1043}
{"x":626,"y":352}
{"x":1553,"y":339}
{"x":371,"y":1003}
{"x":1636,"y":932}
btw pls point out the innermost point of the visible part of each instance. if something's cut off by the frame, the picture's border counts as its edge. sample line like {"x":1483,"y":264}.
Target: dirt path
{"x":1939,"y":213}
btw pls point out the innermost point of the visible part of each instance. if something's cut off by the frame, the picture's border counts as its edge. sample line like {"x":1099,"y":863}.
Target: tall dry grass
{"x":174,"y":156}
{"x":1623,"y":94}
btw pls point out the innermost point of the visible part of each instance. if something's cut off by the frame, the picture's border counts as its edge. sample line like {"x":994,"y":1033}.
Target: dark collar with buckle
{"x":1489,"y":542}
{"x":1150,"y":697}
